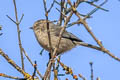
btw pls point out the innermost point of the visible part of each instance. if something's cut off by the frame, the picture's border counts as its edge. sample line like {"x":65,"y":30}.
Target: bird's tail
{"x":88,"y":45}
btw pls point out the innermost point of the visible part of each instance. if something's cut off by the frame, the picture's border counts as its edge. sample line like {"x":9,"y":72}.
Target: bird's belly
{"x":65,"y":44}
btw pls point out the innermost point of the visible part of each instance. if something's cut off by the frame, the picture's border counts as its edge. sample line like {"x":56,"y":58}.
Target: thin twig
{"x":55,"y":74}
{"x":10,"y":61}
{"x":61,"y":32}
{"x":94,"y":10}
{"x":41,"y":51}
{"x":91,"y":3}
{"x":44,"y":1}
{"x":91,"y":33}
{"x":89,"y":30}
{"x":32,"y":63}
{"x":58,"y":65}
{"x":47,"y":23}
{"x":21,"y":18}
{"x":67,"y":10}
{"x":81,"y":76}
{"x":98,"y":41}
{"x":91,"y":66}
{"x":35,"y":69}
{"x":48,"y":33}
{"x":99,"y":49}
{"x":73,"y":23}
{"x":61,"y":12}
{"x":51,"y":6}
{"x":11,"y":19}
{"x":58,"y":42}
{"x":18,"y":30}
{"x":7,"y":76}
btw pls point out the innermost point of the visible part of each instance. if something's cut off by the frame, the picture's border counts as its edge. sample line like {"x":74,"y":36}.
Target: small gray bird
{"x":68,"y":40}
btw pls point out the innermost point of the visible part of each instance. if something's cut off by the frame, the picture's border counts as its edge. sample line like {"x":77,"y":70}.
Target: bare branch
{"x":91,"y":3}
{"x":44,"y":1}
{"x":10,"y":61}
{"x":98,"y":41}
{"x":82,"y":21}
{"x":58,"y":42}
{"x":51,"y":6}
{"x":18,"y":30}
{"x":47,"y":23}
{"x":61,"y":12}
{"x":81,"y":76}
{"x":7,"y":76}
{"x":32,"y":63}
{"x":21,"y":18}
{"x":35,"y":69}
{"x":91,"y":66}
{"x":11,"y":19}
{"x":94,"y":10}
{"x":41,"y":51}
{"x":48,"y":32}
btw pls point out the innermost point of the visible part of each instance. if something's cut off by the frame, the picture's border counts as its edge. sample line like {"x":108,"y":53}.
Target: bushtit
{"x":68,"y":40}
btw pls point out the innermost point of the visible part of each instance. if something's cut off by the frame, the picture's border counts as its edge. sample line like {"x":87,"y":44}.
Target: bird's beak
{"x":31,"y":28}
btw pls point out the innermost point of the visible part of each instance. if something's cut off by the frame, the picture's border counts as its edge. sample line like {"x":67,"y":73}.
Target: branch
{"x":94,"y":10}
{"x":32,"y":63}
{"x":10,"y":61}
{"x":51,"y":6}
{"x":48,"y":32}
{"x":99,"y":7}
{"x":47,"y":23}
{"x":18,"y":30}
{"x":7,"y":76}
{"x":11,"y":19}
{"x":61,"y":12}
{"x":57,"y":46}
{"x":21,"y":18}
{"x":58,"y":41}
{"x":98,"y":41}
{"x":81,"y":76}
{"x":99,"y":49}
{"x":91,"y":66}
{"x":82,"y":21}
{"x":35,"y":69}
{"x":89,"y":30}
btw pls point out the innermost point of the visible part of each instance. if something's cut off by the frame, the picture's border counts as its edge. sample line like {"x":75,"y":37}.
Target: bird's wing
{"x":68,"y":35}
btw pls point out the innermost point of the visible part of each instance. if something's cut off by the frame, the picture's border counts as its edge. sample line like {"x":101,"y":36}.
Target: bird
{"x":68,"y":40}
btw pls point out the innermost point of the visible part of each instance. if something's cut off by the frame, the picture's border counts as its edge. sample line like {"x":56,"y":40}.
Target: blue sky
{"x":105,"y":26}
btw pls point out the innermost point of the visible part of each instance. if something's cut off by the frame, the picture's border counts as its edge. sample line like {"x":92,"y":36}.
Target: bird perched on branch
{"x":68,"y":40}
